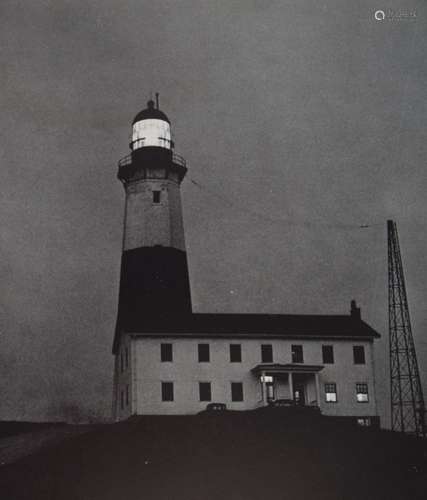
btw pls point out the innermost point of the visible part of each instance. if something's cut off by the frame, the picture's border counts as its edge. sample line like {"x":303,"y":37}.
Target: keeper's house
{"x":169,"y":360}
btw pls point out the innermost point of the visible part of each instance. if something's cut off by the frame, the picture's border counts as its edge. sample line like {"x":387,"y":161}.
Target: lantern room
{"x":151,"y":127}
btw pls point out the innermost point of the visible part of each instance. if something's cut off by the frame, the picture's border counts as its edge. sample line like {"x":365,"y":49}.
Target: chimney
{"x":354,"y":310}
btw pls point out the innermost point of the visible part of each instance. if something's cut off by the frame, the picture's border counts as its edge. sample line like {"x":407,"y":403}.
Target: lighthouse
{"x":170,"y":360}
{"x":154,"y":281}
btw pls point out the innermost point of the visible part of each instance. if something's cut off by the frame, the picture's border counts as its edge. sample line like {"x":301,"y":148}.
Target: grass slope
{"x":236,"y":456}
{"x":13,"y":428}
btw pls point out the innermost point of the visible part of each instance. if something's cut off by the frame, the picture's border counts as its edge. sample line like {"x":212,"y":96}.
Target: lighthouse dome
{"x":150,"y":112}
{"x":151,"y":127}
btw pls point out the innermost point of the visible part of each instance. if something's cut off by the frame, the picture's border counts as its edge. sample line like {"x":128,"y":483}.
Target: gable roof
{"x":249,"y":325}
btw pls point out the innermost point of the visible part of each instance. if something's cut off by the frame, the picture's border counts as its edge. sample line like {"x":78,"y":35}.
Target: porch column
{"x":291,"y":385}
{"x":316,"y":376}
{"x":263,"y":389}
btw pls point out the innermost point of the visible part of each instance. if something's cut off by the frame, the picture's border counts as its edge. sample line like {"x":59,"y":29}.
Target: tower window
{"x":331,"y":393}
{"x":127,"y":395}
{"x":235,"y":353}
{"x":122,"y":400}
{"x":156,"y":196}
{"x":236,"y":391}
{"x":362,"y":393}
{"x":166,"y":352}
{"x":167,"y":391}
{"x":297,"y":354}
{"x":203,"y":353}
{"x":359,"y":354}
{"x":205,"y":391}
{"x":328,"y":354}
{"x":266,"y":353}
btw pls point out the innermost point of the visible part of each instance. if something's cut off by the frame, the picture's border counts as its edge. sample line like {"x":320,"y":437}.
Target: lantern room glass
{"x":151,"y":132}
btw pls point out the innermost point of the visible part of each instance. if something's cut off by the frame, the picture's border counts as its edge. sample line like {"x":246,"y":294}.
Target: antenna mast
{"x":407,"y":402}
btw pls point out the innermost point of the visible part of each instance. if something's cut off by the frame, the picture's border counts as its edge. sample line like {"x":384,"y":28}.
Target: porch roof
{"x":269,"y":368}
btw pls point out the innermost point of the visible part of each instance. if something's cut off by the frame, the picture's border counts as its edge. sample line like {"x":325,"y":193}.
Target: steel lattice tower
{"x":407,"y":402}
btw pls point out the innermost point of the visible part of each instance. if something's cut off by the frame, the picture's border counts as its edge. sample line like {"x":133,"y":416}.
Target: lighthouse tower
{"x":154,"y":282}
{"x":171,"y":361}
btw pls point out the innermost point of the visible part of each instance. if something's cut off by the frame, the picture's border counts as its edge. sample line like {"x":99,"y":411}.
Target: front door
{"x":299,"y":393}
{"x":270,"y":391}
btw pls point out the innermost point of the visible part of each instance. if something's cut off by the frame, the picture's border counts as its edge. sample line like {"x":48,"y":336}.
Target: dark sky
{"x":302,"y":120}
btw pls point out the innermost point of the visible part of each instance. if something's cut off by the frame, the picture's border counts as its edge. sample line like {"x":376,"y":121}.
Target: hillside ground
{"x":280,"y":454}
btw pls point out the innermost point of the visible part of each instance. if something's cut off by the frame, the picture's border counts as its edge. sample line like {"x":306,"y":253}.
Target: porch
{"x":293,"y":383}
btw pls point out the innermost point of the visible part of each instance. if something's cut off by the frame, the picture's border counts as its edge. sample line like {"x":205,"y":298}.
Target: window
{"x":364,"y":421}
{"x":122,"y":400}
{"x":297,"y":355}
{"x":203,"y":353}
{"x":156,"y":196}
{"x":167,"y":391}
{"x":235,"y":353}
{"x":126,"y":357}
{"x":362,"y":393}
{"x":166,"y":352}
{"x":359,"y":354}
{"x":331,"y":393}
{"x":121,"y":361}
{"x":328,"y":354}
{"x":236,"y":391}
{"x":127,"y":395}
{"x":205,"y":391}
{"x":266,"y":353}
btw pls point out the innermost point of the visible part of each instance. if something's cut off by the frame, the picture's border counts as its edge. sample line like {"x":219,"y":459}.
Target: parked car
{"x":216,"y":407}
{"x":279,"y":403}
